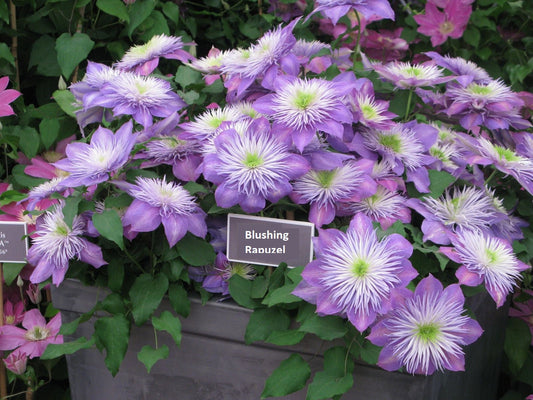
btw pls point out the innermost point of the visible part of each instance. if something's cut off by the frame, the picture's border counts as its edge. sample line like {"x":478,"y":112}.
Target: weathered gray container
{"x":214,"y":363}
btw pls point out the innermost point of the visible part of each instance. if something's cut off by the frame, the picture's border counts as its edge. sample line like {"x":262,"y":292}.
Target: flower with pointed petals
{"x":406,"y":75}
{"x":440,"y":25}
{"x":384,"y":45}
{"x":335,"y":9}
{"x":485,"y":258}
{"x":13,"y":313}
{"x":142,"y":97}
{"x":208,"y":124}
{"x":354,"y":272}
{"x":485,"y":152}
{"x":156,"y":202}
{"x":217,"y":279}
{"x":90,"y":164}
{"x":469,"y":208}
{"x":143,"y":59}
{"x":44,"y":190}
{"x":384,"y":206}
{"x":367,"y":110}
{"x":36,"y":335}
{"x":323,"y":189}
{"x":425,"y":330}
{"x":464,"y":70}
{"x":7,"y":96}
{"x":251,"y":168}
{"x":404,"y":147}
{"x":300,"y":107}
{"x":56,"y":244}
{"x":490,"y":104}
{"x":16,"y":362}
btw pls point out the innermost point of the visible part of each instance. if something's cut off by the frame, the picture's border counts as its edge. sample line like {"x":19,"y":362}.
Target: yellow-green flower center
{"x":303,"y":100}
{"x":368,"y":111}
{"x":37,"y":333}
{"x":475,"y":88}
{"x":360,"y":268}
{"x":413,"y":71}
{"x":506,"y":154}
{"x":428,"y":332}
{"x":392,"y":142}
{"x":325,"y":178}
{"x":253,"y":160}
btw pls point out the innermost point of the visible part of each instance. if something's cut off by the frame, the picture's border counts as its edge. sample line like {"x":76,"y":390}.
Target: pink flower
{"x":439,"y":25}
{"x":35,"y":337}
{"x":16,"y":362}
{"x":6,"y":97}
{"x":13,"y":313}
{"x":384,"y":45}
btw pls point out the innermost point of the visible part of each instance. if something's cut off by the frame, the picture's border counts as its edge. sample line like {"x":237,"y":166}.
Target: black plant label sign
{"x":13,"y":242}
{"x":269,"y":241}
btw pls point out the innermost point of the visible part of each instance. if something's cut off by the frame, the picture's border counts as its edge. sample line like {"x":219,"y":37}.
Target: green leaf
{"x":57,"y":350}
{"x":440,"y":181}
{"x":11,"y":271}
{"x":336,"y":378}
{"x":4,"y":13}
{"x":170,"y":324}
{"x":186,"y":76}
{"x":71,"y":50}
{"x":517,"y":342}
{"x":44,"y":56}
{"x":263,"y":322}
{"x":285,"y":338}
{"x":70,"y":209}
{"x":66,"y":101}
{"x":146,"y":294}
{"x":179,"y":299}
{"x":289,"y":377}
{"x":29,"y":140}
{"x":113,"y":334}
{"x":116,"y":8}
{"x":115,"y":274}
{"x":240,"y":290}
{"x":138,"y":12}
{"x":370,"y":353}
{"x":472,"y":36}
{"x":196,"y":251}
{"x":282,"y":295}
{"x":328,"y":328}
{"x":49,"y":130}
{"x":109,"y":225}
{"x":149,"y":356}
{"x":172,"y":11}
{"x":113,"y":304}
{"x":5,"y":54}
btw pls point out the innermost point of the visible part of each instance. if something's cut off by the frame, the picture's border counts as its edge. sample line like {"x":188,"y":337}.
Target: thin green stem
{"x":408,"y":107}
{"x":491,"y":176}
{"x":133,"y":260}
{"x":155,"y":339}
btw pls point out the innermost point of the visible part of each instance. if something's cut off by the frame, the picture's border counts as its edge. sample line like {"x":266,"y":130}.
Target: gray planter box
{"x":214,"y":363}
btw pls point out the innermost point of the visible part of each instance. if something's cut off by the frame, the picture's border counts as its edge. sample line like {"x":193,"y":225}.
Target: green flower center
{"x":506,"y":154}
{"x":303,"y":100}
{"x":492,"y":256}
{"x":439,"y":154}
{"x":428,"y":332}
{"x":446,"y":27}
{"x":393,"y":142}
{"x":215,"y":122}
{"x":37,"y":333}
{"x":474,"y":88}
{"x":368,"y":111}
{"x":325,"y":178}
{"x":62,"y":230}
{"x":413,"y":71}
{"x":360,"y":268}
{"x":252,"y":160}
{"x":141,"y":89}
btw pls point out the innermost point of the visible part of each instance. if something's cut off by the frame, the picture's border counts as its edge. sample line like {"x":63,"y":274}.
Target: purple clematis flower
{"x":159,"y":202}
{"x":425,"y":330}
{"x":300,"y":107}
{"x":143,"y":59}
{"x":485,"y":258}
{"x":90,"y":164}
{"x":142,"y":97}
{"x":464,"y":70}
{"x":354,"y":272}
{"x":55,"y":244}
{"x":335,"y":9}
{"x":367,"y":110}
{"x":251,"y":168}
{"x":217,"y":279}
{"x":324,"y":189}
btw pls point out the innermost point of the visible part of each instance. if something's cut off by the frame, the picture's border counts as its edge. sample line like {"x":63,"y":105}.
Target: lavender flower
{"x":485,"y":258}
{"x":55,"y":244}
{"x":217,"y":279}
{"x":367,"y":110}
{"x":90,"y":164}
{"x":159,"y":202}
{"x":142,"y":97}
{"x":425,"y":330}
{"x":464,"y":70}
{"x":251,"y":168}
{"x":143,"y":59}
{"x":323,"y":189}
{"x":335,"y":9}
{"x":491,"y":104}
{"x":354,"y":273}
{"x":300,"y":107}
{"x":208,"y":124}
